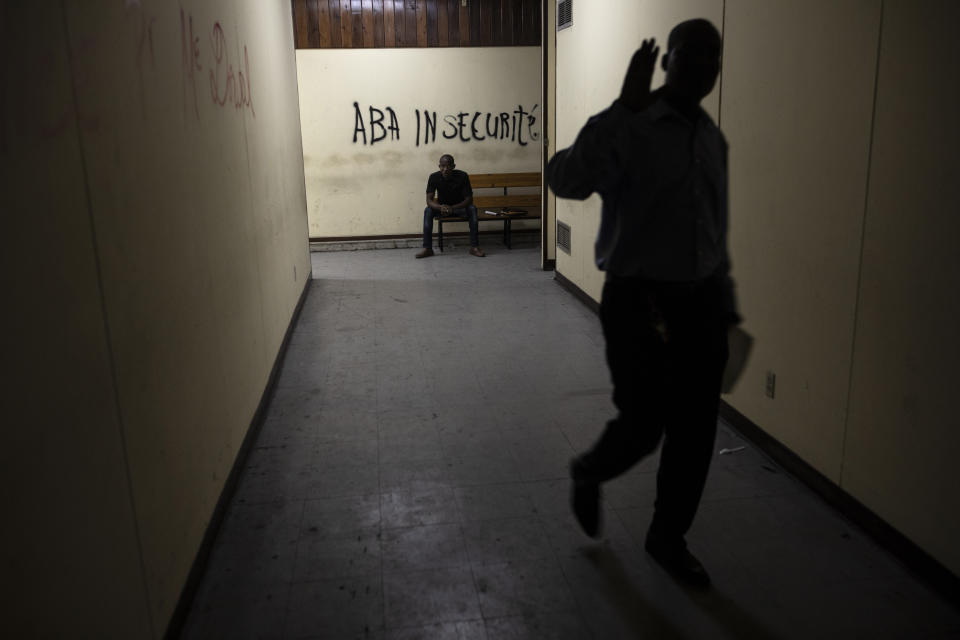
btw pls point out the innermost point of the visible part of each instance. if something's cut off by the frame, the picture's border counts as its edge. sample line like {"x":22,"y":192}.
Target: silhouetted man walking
{"x":660,"y":165}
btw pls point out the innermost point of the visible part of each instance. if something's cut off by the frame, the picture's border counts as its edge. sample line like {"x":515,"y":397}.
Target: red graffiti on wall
{"x":227,"y":86}
{"x":189,"y":60}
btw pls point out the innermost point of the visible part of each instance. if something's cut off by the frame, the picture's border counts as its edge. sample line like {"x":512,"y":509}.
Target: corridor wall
{"x":840,"y":134}
{"x":155,"y":251}
{"x":376,"y":121}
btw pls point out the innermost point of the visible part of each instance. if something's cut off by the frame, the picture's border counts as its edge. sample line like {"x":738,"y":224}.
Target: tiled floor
{"x":410,"y":482}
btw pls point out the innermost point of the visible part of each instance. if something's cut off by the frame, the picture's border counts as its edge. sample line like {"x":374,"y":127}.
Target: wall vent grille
{"x":564,"y":14}
{"x":563,"y":236}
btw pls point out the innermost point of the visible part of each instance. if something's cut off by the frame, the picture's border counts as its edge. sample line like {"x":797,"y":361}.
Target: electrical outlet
{"x":771,"y":383}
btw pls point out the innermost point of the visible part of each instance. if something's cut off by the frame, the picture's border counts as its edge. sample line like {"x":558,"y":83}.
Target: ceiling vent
{"x":563,"y":236}
{"x":564,"y":14}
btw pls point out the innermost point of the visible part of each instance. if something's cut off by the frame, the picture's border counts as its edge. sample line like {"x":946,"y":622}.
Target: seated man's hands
{"x":446,"y":209}
{"x":635,"y":94}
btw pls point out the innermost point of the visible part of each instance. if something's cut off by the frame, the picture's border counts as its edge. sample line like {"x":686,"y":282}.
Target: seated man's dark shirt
{"x":453,"y":190}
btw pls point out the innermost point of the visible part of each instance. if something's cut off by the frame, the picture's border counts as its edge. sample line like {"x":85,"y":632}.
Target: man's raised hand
{"x":636,"y":85}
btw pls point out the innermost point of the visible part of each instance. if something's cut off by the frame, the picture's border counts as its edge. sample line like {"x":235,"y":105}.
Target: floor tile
{"x":422,"y":476}
{"x":418,"y":598}
{"x":411,"y":449}
{"x":248,"y":618}
{"x":329,"y":517}
{"x":332,"y":482}
{"x":412,"y":508}
{"x":254,"y":554}
{"x":494,"y":501}
{"x":346,"y":453}
{"x":494,"y":468}
{"x":336,"y":608}
{"x":550,"y":626}
{"x":348,"y":554}
{"x":470,"y":630}
{"x":512,"y":539}
{"x":523,"y":587}
{"x":410,"y":480}
{"x":430,"y":546}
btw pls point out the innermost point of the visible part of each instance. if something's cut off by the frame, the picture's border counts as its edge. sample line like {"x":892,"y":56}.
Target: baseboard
{"x":403,"y":236}
{"x":922,"y":564}
{"x":392,"y":236}
{"x":577,"y":292}
{"x":366,"y":245}
{"x":197,"y":570}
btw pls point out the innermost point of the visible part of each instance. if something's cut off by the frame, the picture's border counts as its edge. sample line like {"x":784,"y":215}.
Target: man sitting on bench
{"x":454,"y":197}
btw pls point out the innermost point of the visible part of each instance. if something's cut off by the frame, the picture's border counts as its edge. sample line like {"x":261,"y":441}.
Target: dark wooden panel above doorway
{"x":351,"y":24}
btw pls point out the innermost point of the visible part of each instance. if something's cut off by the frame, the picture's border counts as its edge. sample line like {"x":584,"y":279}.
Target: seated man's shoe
{"x":426,"y":253}
{"x":679,"y":563}
{"x":477,"y":251}
{"x":585,"y":500}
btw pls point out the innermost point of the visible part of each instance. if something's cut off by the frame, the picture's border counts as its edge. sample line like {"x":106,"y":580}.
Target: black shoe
{"x":679,"y":563}
{"x":585,"y":500}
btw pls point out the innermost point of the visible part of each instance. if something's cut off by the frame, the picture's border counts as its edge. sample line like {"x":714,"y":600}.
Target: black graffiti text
{"x":468,"y":126}
{"x":378,"y":130}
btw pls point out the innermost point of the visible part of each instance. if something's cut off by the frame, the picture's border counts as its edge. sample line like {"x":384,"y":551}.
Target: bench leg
{"x":440,"y":234}
{"x":506,"y":233}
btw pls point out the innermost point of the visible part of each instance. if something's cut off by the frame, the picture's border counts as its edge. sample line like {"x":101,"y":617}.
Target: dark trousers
{"x":666,"y":349}
{"x":469,"y":212}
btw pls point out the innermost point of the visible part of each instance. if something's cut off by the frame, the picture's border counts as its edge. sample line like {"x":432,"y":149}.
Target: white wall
{"x":902,"y":440}
{"x":798,"y":175}
{"x":377,"y":188}
{"x":69,"y":547}
{"x":842,"y":136}
{"x":549,"y":251}
{"x":158,"y":252}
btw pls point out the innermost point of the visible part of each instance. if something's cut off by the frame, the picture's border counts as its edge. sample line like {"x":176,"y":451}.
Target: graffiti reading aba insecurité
{"x":466,"y":126}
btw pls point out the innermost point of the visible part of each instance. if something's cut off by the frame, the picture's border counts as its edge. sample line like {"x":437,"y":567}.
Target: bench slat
{"x":521,"y":201}
{"x":531,"y":215}
{"x":529,"y":201}
{"x":495,"y":180}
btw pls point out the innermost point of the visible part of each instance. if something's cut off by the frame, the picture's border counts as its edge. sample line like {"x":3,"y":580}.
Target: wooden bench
{"x":484,"y":203}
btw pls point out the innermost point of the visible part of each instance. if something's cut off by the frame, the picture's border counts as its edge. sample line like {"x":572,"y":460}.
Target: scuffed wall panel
{"x":798,"y":177}
{"x":68,"y":547}
{"x":202,"y":243}
{"x":902,"y":436}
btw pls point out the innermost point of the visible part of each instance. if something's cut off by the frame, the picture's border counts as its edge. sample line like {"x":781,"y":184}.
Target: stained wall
{"x":153,"y":180}
{"x":376,"y":121}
